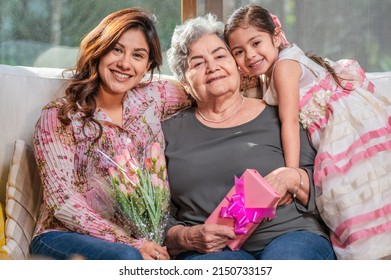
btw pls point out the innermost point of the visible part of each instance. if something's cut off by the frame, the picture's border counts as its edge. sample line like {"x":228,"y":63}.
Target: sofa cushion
{"x":23,"y":93}
{"x":3,"y":254}
{"x":23,"y":200}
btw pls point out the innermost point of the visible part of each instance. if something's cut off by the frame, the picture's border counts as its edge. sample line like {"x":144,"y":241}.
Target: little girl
{"x":348,"y":122}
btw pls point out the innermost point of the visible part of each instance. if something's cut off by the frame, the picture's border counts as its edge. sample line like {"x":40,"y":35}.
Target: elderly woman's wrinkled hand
{"x":278,"y":180}
{"x":207,"y":238}
{"x":286,"y":199}
{"x":281,"y":180}
{"x":286,"y":181}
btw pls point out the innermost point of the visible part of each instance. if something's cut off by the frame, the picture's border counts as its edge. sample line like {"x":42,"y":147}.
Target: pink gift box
{"x":246,"y":204}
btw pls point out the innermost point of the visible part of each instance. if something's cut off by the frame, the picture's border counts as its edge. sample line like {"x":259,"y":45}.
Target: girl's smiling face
{"x":255,"y":51}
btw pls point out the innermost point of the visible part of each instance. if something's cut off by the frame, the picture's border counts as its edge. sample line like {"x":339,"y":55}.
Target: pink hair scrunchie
{"x":277,"y":23}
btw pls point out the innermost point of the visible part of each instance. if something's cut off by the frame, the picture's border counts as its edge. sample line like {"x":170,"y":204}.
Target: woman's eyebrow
{"x":213,"y":51}
{"x":136,"y":49}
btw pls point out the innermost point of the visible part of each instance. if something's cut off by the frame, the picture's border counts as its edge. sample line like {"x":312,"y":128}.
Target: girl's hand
{"x":153,"y":251}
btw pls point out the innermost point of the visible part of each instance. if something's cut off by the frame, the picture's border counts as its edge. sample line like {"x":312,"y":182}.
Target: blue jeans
{"x":226,"y":254}
{"x":296,"y":245}
{"x":60,"y":245}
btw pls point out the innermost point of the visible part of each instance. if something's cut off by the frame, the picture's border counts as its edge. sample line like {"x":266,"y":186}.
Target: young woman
{"x":106,"y":107}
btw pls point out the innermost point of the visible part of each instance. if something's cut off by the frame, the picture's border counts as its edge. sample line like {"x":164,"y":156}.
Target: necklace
{"x":223,"y":120}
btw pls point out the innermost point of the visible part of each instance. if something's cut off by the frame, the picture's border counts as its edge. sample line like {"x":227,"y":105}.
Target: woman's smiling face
{"x":123,"y":67}
{"x":210,"y":69}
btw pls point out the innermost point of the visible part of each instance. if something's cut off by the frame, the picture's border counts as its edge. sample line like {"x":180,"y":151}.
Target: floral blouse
{"x":70,"y":165}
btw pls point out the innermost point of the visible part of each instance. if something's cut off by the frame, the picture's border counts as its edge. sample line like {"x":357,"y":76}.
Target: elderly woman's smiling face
{"x":211,"y":71}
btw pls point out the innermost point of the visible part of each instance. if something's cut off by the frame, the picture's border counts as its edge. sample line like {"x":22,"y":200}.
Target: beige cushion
{"x":23,"y":200}
{"x":23,"y":93}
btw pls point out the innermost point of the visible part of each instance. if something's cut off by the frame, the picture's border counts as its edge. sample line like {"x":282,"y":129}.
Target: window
{"x":47,"y":33}
{"x":336,"y":29}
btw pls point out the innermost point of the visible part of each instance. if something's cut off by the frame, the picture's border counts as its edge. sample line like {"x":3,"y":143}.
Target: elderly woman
{"x":222,"y":136}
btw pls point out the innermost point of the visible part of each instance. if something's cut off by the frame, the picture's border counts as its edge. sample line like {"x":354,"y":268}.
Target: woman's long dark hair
{"x":83,"y":87}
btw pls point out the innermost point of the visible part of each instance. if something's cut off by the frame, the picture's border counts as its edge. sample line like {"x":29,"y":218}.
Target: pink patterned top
{"x":67,"y":157}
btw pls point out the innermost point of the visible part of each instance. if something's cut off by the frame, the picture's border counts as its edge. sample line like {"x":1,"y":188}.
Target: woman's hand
{"x":207,"y":238}
{"x":279,"y":180}
{"x":287,"y":181}
{"x":204,"y":238}
{"x":153,"y":251}
{"x":286,"y":199}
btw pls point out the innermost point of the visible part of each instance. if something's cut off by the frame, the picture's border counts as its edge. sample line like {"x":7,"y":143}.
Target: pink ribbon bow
{"x":277,"y":23}
{"x":237,"y":210}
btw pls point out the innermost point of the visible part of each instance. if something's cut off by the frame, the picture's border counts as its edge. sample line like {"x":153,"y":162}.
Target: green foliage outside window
{"x":47,"y":33}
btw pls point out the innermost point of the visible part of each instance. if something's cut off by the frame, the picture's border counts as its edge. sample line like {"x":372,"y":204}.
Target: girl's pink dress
{"x":351,"y":130}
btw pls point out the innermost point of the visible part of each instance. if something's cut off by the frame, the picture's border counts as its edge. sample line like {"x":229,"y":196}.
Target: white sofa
{"x":23,"y":92}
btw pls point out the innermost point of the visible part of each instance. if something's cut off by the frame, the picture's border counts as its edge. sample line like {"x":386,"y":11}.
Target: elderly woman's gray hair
{"x":185,"y":35}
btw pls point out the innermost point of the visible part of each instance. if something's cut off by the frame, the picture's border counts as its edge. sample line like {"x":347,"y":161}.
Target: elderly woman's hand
{"x":288,"y":181}
{"x":279,"y":180}
{"x":286,"y":199}
{"x":204,"y":238}
{"x":207,"y":238}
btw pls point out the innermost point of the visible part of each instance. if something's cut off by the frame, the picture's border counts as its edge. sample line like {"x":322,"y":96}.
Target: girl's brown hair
{"x":260,"y":18}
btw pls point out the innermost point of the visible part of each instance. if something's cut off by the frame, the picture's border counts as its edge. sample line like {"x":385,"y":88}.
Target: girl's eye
{"x":256,"y":43}
{"x":237,"y":53}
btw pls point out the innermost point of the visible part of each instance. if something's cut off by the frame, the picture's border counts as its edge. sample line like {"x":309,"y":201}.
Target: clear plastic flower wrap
{"x":135,"y":193}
